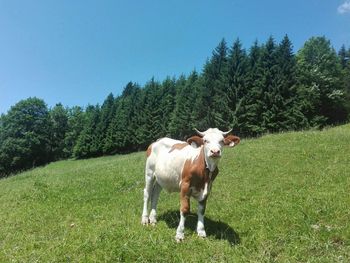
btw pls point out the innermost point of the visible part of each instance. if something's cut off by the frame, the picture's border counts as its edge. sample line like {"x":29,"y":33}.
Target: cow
{"x":188,"y":167}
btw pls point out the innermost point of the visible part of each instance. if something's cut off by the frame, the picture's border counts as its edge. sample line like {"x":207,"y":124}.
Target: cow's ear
{"x":195,"y":141}
{"x":231,"y":140}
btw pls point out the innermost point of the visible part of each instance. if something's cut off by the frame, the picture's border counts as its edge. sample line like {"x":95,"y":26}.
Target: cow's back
{"x":166,"y":159}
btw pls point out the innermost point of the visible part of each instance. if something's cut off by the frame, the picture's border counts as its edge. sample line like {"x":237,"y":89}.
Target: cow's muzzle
{"x":215,"y":153}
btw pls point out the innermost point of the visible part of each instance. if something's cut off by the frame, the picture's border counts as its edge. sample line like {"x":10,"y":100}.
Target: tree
{"x":237,"y":81}
{"x":120,"y":136}
{"x":76,"y":124}
{"x":286,"y":110}
{"x":319,"y":74}
{"x":134,"y":124}
{"x":167,"y":104}
{"x":59,"y":128}
{"x":117,"y":135}
{"x":106,"y":116}
{"x":249,"y":113}
{"x":214,"y":92}
{"x":344,"y":57}
{"x":25,"y":132}
{"x":151,"y":125}
{"x":182,"y":120}
{"x":87,"y":144}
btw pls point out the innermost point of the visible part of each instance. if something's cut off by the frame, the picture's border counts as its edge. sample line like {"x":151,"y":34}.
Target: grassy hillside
{"x":281,"y":198}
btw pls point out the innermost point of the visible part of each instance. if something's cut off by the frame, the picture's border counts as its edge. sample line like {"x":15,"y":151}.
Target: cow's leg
{"x":200,"y":223}
{"x":147,"y":192}
{"x":154,"y":201}
{"x":184,"y":210}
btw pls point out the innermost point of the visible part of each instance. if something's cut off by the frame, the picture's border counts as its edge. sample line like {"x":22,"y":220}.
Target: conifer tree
{"x":237,"y":81}
{"x":123,"y":130}
{"x":88,"y":144}
{"x":106,"y":116}
{"x":75,"y":126}
{"x":200,"y":113}
{"x":344,"y":57}
{"x":167,"y":104}
{"x":140,"y":122}
{"x":215,"y":89}
{"x":136,"y":107}
{"x":182,"y":120}
{"x":286,"y":102}
{"x":251,"y":108}
{"x":152,"y":124}
{"x":268,"y":84}
{"x":59,"y":128}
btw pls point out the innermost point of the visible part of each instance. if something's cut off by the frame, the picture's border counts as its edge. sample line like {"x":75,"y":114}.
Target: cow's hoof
{"x":179,"y":237}
{"x":144,"y":220}
{"x":153,"y":221}
{"x":202,"y":234}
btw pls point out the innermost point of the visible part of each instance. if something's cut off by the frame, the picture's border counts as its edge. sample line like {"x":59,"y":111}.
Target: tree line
{"x":265,"y":89}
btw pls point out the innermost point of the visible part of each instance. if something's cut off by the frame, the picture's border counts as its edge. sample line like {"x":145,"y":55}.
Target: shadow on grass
{"x":216,"y":229}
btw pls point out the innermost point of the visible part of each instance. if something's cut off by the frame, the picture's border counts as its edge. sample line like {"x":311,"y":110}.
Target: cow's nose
{"x":215,"y":152}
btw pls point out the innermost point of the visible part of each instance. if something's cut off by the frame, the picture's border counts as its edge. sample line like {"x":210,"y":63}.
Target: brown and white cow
{"x":186,"y":167}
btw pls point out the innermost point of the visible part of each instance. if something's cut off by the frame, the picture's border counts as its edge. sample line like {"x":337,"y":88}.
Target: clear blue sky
{"x":77,"y":52}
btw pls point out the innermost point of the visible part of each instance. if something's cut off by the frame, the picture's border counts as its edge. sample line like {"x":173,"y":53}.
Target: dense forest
{"x":266,"y":88}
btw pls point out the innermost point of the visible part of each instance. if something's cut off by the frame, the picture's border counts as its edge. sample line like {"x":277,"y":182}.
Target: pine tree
{"x":87,"y":144}
{"x":286,"y":102}
{"x":167,"y":104}
{"x":122,"y":131}
{"x":106,"y":116}
{"x":268,"y":78}
{"x":141,"y":121}
{"x":201,"y":109}
{"x":183,"y":118}
{"x":237,"y":81}
{"x":344,"y":57}
{"x":134,"y":122}
{"x":215,"y":90}
{"x":117,"y":133}
{"x":251,"y":108}
{"x":59,"y":128}
{"x":152,"y":126}
{"x":75,"y":126}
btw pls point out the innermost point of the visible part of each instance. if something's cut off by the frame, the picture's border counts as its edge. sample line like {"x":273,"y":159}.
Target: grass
{"x":279,"y":198}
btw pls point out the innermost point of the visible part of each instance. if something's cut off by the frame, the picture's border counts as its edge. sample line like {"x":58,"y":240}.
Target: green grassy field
{"x":279,"y":198}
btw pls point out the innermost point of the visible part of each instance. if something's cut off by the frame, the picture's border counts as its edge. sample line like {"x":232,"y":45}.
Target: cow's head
{"x":213,"y":140}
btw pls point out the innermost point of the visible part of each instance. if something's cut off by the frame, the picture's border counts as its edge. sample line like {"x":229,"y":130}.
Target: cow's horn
{"x":225,"y":133}
{"x":199,"y":132}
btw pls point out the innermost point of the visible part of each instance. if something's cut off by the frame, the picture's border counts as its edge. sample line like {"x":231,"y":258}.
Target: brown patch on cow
{"x":149,"y":150}
{"x":185,"y":197}
{"x":231,"y":139}
{"x":195,"y":139}
{"x":200,"y":173}
{"x":178,"y":146}
{"x":194,"y":174}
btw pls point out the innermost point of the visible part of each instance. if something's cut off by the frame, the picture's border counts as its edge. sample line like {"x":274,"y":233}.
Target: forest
{"x":267,"y":88}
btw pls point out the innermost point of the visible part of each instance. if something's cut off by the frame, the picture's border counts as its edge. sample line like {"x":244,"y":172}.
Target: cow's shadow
{"x":218,"y":230}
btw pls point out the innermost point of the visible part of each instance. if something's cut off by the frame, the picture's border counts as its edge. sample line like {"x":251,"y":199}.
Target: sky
{"x":77,"y":52}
